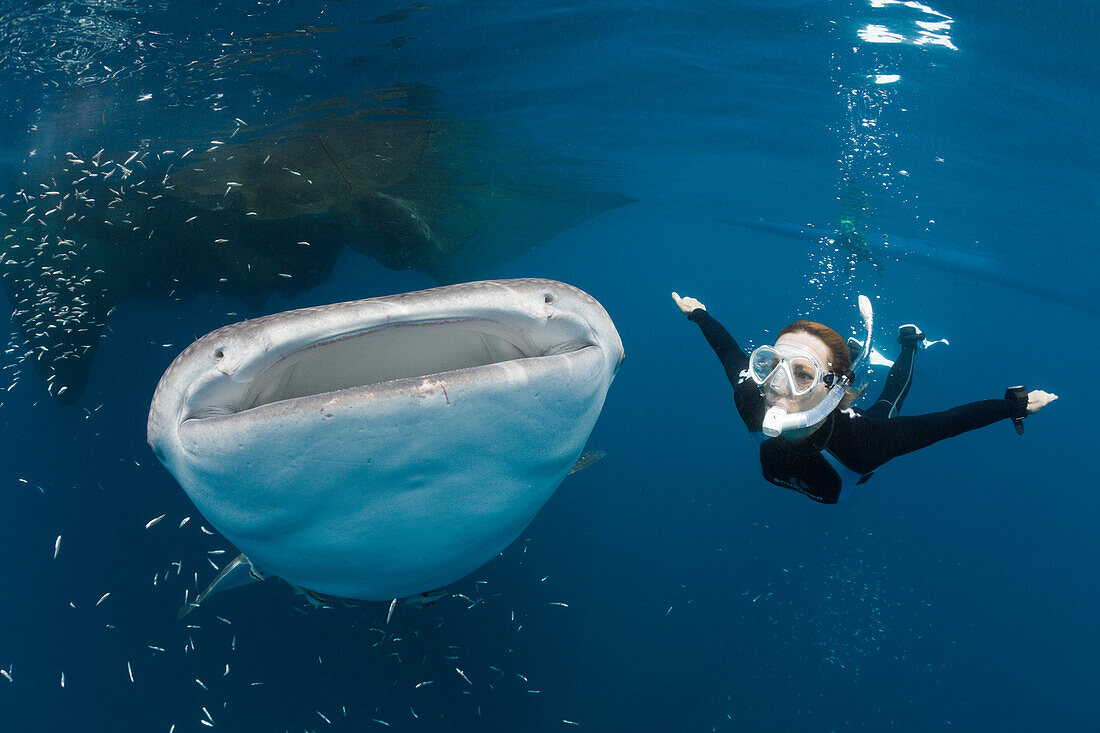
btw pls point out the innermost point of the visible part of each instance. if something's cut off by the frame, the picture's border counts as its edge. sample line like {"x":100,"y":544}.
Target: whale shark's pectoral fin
{"x":238,"y":572}
{"x":587,"y":459}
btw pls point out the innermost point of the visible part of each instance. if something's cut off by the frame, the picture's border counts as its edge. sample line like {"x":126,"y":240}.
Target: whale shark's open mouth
{"x":397,"y":351}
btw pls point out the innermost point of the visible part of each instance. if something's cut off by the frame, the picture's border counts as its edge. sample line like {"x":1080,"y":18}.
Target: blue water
{"x":955,"y":591}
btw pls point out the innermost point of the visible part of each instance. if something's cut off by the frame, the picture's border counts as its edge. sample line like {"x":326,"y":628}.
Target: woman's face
{"x":778,"y":393}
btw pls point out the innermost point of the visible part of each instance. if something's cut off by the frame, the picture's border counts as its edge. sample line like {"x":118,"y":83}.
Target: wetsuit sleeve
{"x":746,"y":396}
{"x":879,"y":440}
{"x":732,"y":356}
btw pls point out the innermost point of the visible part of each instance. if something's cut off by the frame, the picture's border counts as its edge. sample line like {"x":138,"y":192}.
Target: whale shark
{"x":936,"y":256}
{"x":386,"y":447}
{"x":267,"y":209}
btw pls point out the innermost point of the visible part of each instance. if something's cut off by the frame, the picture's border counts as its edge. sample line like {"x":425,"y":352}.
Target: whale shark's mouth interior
{"x":399,"y":351}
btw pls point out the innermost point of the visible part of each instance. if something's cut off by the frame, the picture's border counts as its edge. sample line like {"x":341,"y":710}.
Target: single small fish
{"x":153,"y":521}
{"x":425,"y":599}
{"x":56,"y":546}
{"x":389,"y":614}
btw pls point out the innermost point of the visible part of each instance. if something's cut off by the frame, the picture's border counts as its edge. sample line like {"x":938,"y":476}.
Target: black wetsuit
{"x":851,"y":443}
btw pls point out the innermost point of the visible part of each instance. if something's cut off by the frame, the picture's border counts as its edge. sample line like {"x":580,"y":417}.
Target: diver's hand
{"x":1037,"y":399}
{"x":687,"y":305}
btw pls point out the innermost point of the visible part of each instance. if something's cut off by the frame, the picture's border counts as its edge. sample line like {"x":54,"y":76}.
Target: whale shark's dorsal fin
{"x":238,"y":572}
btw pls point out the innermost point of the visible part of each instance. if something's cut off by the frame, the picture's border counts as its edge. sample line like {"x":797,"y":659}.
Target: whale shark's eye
{"x":548,"y":298}
{"x":218,"y":354}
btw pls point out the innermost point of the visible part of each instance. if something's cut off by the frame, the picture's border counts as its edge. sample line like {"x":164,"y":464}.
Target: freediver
{"x":796,"y":399}
{"x":850,"y":239}
{"x":856,"y":208}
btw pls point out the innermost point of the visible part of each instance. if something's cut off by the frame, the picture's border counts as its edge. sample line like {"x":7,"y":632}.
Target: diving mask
{"x":787,"y":369}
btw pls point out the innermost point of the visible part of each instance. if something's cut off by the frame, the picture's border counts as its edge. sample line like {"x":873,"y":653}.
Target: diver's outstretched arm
{"x":733,"y":358}
{"x":883,"y":439}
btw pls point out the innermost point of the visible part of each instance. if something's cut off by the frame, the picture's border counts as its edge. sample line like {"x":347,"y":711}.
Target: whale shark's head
{"x":411,"y":436}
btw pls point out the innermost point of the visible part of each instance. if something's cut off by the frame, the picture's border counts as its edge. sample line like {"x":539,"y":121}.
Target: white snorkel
{"x":777,"y":420}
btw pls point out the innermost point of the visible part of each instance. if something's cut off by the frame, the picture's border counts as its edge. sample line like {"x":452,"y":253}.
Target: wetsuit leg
{"x":897,"y":383}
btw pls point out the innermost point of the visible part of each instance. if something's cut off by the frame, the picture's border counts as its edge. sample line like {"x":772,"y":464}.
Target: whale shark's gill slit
{"x":204,"y":411}
{"x":397,"y":351}
{"x":566,"y":347}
